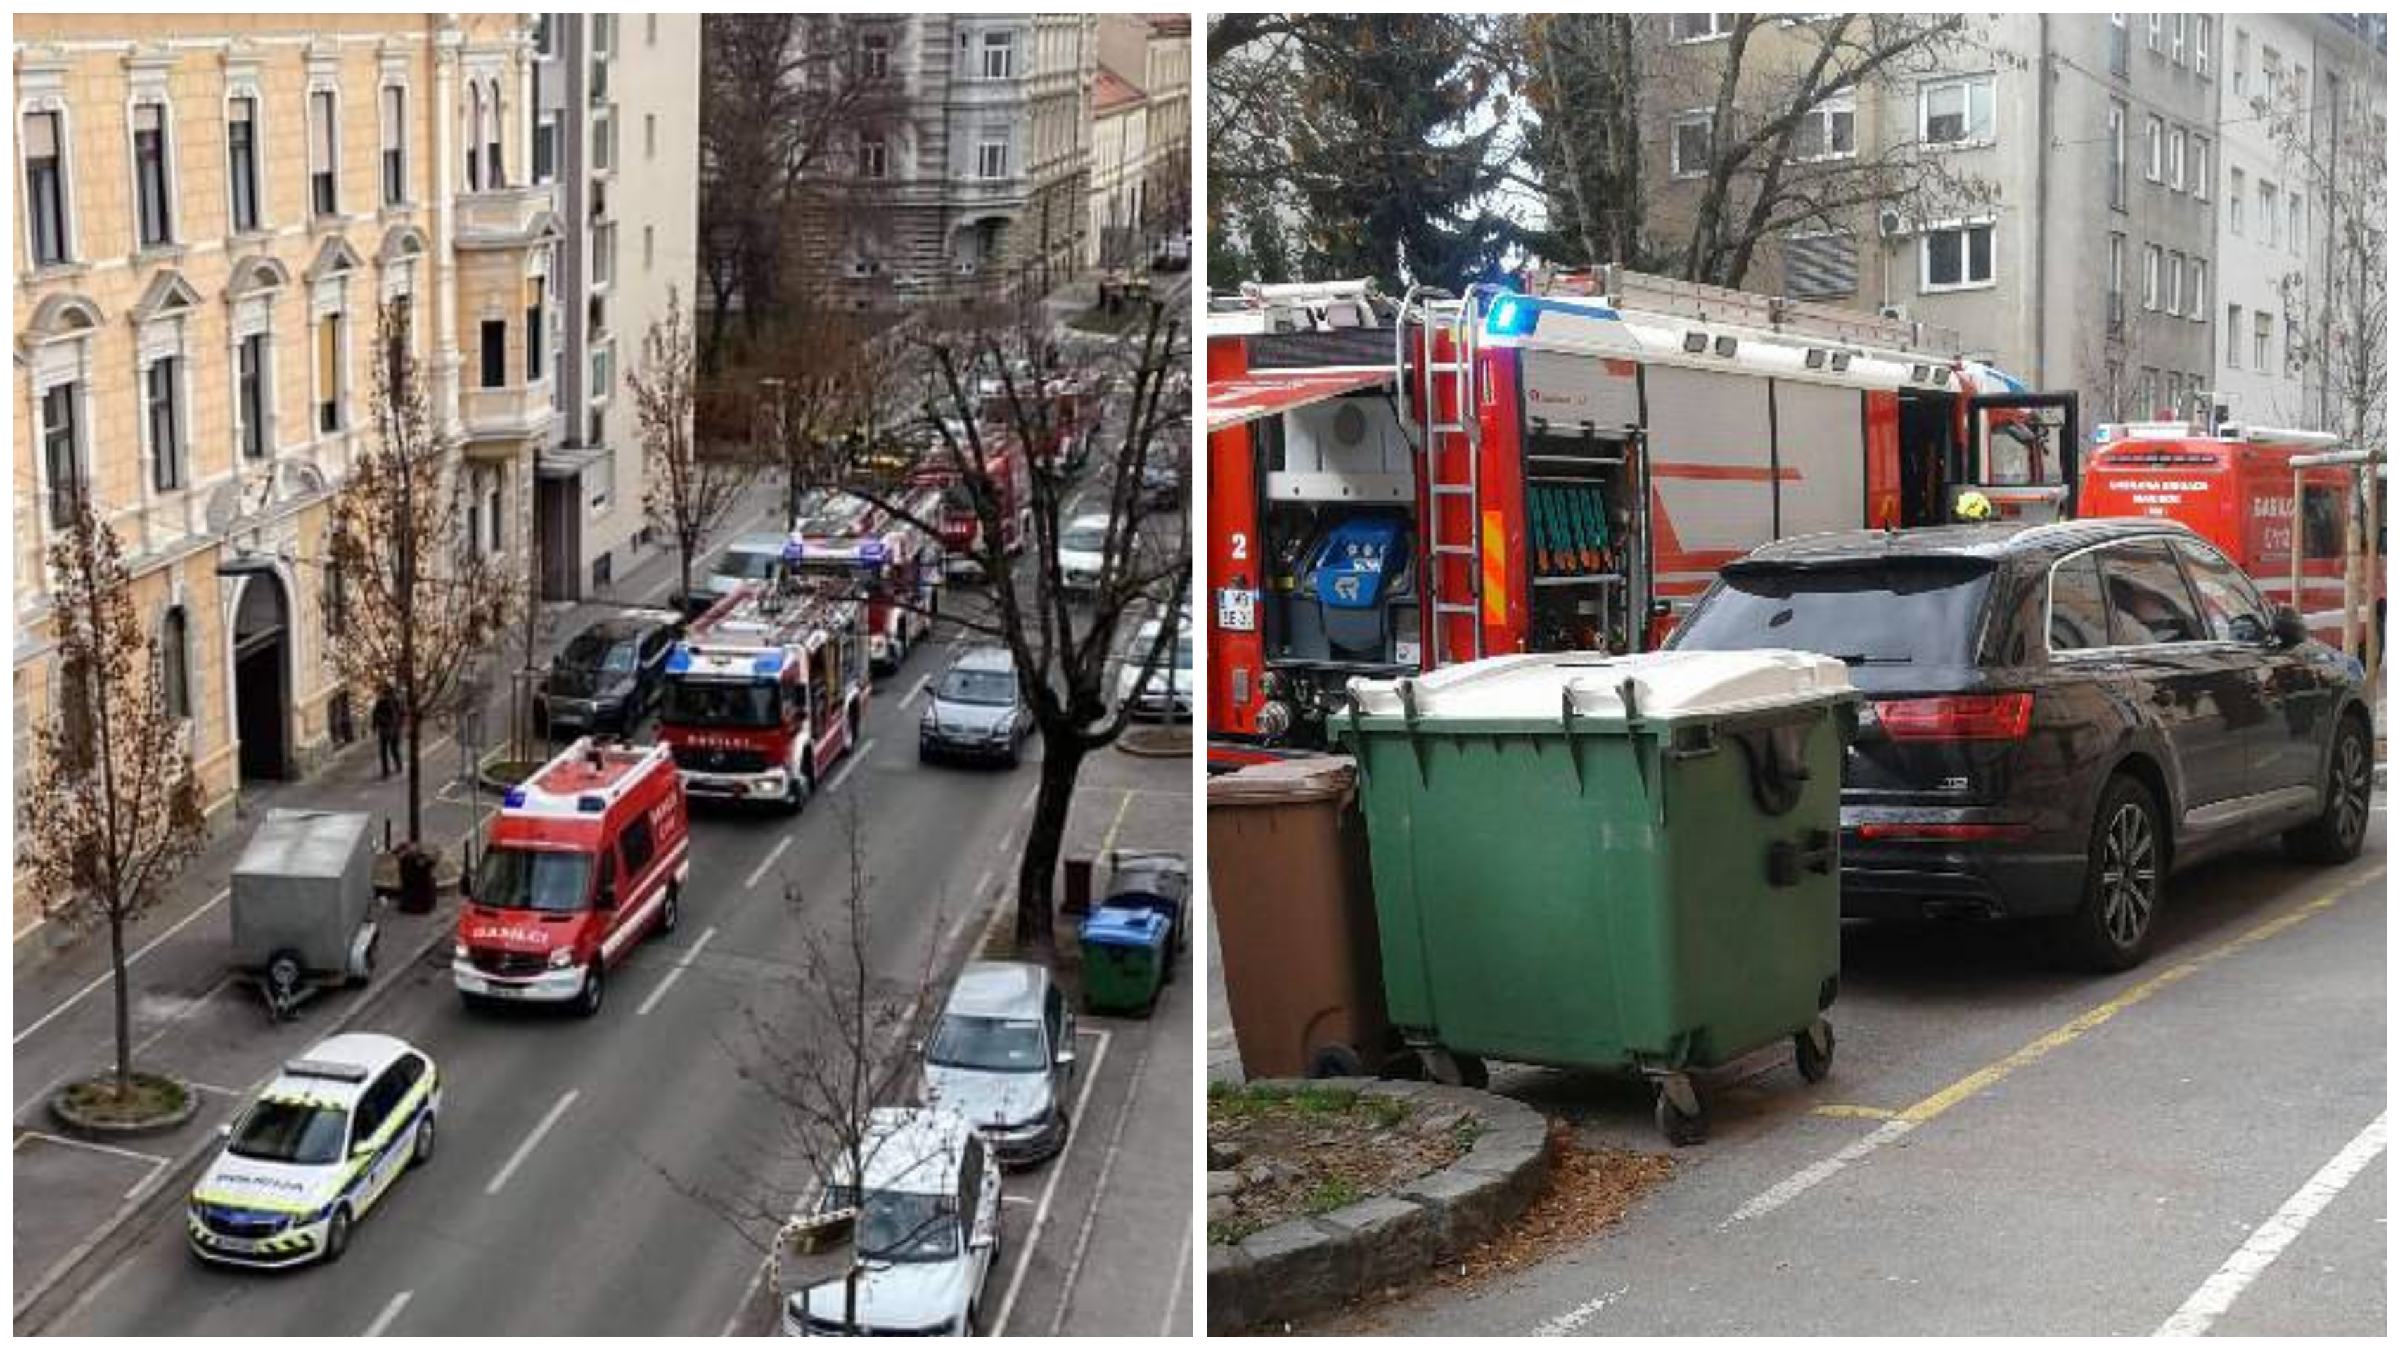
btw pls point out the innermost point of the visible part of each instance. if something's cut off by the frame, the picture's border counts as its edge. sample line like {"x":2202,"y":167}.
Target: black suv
{"x":609,"y":675}
{"x":2056,"y":716}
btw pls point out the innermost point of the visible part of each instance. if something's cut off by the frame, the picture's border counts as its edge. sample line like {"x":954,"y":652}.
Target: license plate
{"x":1237,"y":609}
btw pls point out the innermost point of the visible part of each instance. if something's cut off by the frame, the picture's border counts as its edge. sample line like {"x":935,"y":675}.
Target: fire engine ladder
{"x":1441,"y":428}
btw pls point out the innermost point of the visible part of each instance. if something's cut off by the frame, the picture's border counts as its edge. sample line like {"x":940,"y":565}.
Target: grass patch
{"x":1467,"y":1131}
{"x":147,"y":1097}
{"x":1331,"y":1194}
{"x":1235,"y":1102}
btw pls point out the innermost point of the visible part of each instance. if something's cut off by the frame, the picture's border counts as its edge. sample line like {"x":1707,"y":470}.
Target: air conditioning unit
{"x":1898,"y":313}
{"x":1888,"y":223}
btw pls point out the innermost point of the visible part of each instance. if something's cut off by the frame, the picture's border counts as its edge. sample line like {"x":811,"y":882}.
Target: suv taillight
{"x":1962,"y":717}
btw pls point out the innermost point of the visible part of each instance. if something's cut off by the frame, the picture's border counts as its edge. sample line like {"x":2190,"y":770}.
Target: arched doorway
{"x":261,"y":690}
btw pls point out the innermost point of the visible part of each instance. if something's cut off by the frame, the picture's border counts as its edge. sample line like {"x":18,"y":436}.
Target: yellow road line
{"x":2073,"y":1031}
{"x":1854,"y":1112}
{"x":1109,"y":841}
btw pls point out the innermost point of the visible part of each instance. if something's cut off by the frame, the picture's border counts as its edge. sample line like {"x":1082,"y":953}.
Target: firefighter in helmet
{"x":1971,"y":508}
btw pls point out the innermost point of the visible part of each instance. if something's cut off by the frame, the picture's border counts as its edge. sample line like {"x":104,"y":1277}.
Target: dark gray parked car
{"x":975,"y":711}
{"x":609,"y":676}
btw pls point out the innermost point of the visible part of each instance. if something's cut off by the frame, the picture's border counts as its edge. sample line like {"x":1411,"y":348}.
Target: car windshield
{"x":590,"y":651}
{"x":1872,"y":614}
{"x":1085,"y":536}
{"x":290,"y":1132}
{"x":719,"y":703}
{"x":985,"y":688}
{"x":996,"y":1044}
{"x":517,"y":878}
{"x":901,"y":1225}
{"x":745,"y":565}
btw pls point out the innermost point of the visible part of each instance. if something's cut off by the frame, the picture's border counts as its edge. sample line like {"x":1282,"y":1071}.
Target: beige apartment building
{"x":211,"y":212}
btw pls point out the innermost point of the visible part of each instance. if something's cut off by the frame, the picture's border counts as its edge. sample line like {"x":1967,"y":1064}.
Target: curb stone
{"x":1313,"y":1264}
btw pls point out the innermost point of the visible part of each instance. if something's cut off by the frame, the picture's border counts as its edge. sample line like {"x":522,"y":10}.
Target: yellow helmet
{"x":1972,"y":506}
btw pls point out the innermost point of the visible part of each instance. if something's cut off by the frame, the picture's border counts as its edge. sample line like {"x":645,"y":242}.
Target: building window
{"x":534,"y":331}
{"x":2267,"y":229}
{"x":162,"y":398}
{"x":241,"y":162}
{"x":649,"y":135}
{"x":2198,"y":306}
{"x":604,"y":142}
{"x":2292,"y":234}
{"x":2151,"y":261}
{"x":1698,"y":27}
{"x":2241,"y":62}
{"x":153,"y":215}
{"x":329,"y":373}
{"x":2174,"y":287}
{"x":545,"y":37}
{"x":2116,"y":153}
{"x":2175,"y":159}
{"x":873,"y":157}
{"x":395,"y":144}
{"x":2200,"y":167}
{"x":62,"y":455}
{"x":491,"y":138}
{"x":1958,"y":257}
{"x":649,"y":247}
{"x":991,"y":160}
{"x":2158,"y":150}
{"x":2204,"y":36}
{"x":1829,"y":130}
{"x":2233,"y":200}
{"x":46,"y":188}
{"x":250,"y":381}
{"x":495,"y":353}
{"x":2263,"y":339}
{"x":875,"y":56}
{"x":649,"y":30}
{"x":474,"y":137}
{"x":2116,"y":282}
{"x":2120,"y":43}
{"x":1689,"y":151}
{"x":1957,"y":112}
{"x":2155,"y":33}
{"x":2175,"y":39}
{"x":604,"y":254}
{"x":175,"y":662}
{"x":323,"y":160}
{"x":2233,"y":337}
{"x":603,"y":376}
{"x":999,"y":56}
{"x":545,"y":148}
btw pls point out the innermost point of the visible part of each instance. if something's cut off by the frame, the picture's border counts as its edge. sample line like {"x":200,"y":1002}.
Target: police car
{"x":315,"y":1152}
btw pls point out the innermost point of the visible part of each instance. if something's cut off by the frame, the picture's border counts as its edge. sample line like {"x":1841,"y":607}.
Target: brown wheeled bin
{"x":1295,"y":915}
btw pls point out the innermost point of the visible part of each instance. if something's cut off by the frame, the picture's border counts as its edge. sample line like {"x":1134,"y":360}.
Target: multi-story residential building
{"x":1167,"y":91}
{"x":1120,"y":143}
{"x":2291,"y":87}
{"x":1141,"y":136}
{"x":615,"y":124}
{"x":213,"y":211}
{"x":968,"y":174}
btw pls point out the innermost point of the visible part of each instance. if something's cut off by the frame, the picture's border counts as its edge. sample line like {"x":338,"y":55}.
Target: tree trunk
{"x":415,"y":757}
{"x":1045,"y":838}
{"x":124,"y":999}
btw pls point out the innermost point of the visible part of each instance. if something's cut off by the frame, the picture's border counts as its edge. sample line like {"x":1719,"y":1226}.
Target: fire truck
{"x":1072,"y":417}
{"x":1395,"y":487}
{"x":767,"y":690}
{"x":2239,"y":487}
{"x":962,"y":529}
{"x":894,"y":566}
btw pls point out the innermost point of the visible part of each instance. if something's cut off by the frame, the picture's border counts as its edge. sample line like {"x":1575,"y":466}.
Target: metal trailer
{"x":302,"y":906}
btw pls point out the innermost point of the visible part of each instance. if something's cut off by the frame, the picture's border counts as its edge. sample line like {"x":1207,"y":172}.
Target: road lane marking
{"x":1841,"y":1112}
{"x":1108,"y":841}
{"x":849,"y":764}
{"x":525,"y":1150}
{"x":2213,"y":1299}
{"x":1183,"y":1274}
{"x":1091,"y":1213}
{"x":383,"y":1320}
{"x":767,"y":862}
{"x":917,"y":690}
{"x":103,"y":977}
{"x":1908,"y":1118}
{"x":1567,"y":1323}
{"x":1041,"y":1212}
{"x":673,"y":974}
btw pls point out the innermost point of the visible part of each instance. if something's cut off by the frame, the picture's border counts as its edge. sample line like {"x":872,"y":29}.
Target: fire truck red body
{"x":894,"y":566}
{"x":2237,"y":488}
{"x":962,"y":529}
{"x":767,"y":690}
{"x":1396,"y":488}
{"x":1070,"y":415}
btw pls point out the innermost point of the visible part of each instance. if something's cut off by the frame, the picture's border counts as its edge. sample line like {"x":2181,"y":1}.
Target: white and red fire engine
{"x":962,"y":529}
{"x":892,"y":564}
{"x":767,"y":690}
{"x":1398,"y":487}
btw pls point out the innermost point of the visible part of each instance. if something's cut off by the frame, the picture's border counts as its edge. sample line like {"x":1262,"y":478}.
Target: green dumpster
{"x":1124,"y":958}
{"x":1586,"y":862}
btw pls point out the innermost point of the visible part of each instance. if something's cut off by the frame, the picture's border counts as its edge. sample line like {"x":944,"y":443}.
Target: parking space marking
{"x":2214,"y":1298}
{"x":917,"y":690}
{"x":383,"y":1320}
{"x":689,"y":954}
{"x":856,"y":756}
{"x":86,"y":1144}
{"x":1041,"y":1211}
{"x":103,"y":977}
{"x":1091,"y":1213}
{"x":1908,"y":1118}
{"x":525,"y":1150}
{"x":1183,"y":1274}
{"x":767,"y":862}
{"x":1570,"y":1321}
{"x":1108,"y":841}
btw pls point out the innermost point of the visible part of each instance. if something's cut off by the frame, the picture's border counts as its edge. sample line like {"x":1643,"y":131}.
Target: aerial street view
{"x":1794,"y":612}
{"x":603,"y":675}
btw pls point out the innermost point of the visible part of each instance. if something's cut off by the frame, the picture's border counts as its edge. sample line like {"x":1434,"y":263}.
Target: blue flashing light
{"x":872,"y":553}
{"x":515,"y":799}
{"x":679,"y":661}
{"x":589,"y":803}
{"x":769,"y":664}
{"x":793,"y":549}
{"x":1511,"y":317}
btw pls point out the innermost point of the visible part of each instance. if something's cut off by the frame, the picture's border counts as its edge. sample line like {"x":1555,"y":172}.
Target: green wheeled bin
{"x":1124,"y":958}
{"x":1585,"y":861}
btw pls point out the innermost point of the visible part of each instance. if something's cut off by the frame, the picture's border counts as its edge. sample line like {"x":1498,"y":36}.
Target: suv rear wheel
{"x":2124,"y":879}
{"x":2339,"y":830}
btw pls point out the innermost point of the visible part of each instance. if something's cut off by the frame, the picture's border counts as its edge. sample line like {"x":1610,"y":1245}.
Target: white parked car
{"x":1003,"y":1056}
{"x":750,"y":557}
{"x":321,"y":1145}
{"x":927,"y":1231}
{"x":1080,"y":545}
{"x":1168,"y":690}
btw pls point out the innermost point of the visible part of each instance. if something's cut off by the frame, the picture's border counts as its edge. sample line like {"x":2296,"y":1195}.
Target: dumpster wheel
{"x":1452,"y":1070}
{"x":1812,"y":1050}
{"x":1681,"y":1115}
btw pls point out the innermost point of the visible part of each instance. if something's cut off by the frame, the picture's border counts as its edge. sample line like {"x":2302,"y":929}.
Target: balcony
{"x":501,"y":421}
{"x":511,"y":217}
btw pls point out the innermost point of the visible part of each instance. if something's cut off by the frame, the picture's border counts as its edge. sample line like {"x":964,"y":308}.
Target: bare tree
{"x":987,"y":401}
{"x":688,"y":487}
{"x":2339,"y":145}
{"x":423,"y":601}
{"x":816,"y":386}
{"x":1585,"y":86}
{"x":110,"y":807}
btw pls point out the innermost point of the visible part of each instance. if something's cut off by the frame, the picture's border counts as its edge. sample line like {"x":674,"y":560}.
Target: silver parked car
{"x":975,"y":711}
{"x":1003,"y":1056}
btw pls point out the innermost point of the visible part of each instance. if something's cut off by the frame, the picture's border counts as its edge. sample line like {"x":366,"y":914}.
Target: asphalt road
{"x":2007,"y":1147}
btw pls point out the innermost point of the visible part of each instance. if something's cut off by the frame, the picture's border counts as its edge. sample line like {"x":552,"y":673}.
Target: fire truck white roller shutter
{"x":1343,"y":449}
{"x":1570,"y":391}
{"x":1820,"y":445}
{"x":1709,"y":464}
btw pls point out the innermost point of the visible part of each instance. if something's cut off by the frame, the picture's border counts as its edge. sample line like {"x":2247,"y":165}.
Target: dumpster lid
{"x":1668,"y":684}
{"x":1278,"y":782}
{"x":1114,"y":927}
{"x":304,"y":844}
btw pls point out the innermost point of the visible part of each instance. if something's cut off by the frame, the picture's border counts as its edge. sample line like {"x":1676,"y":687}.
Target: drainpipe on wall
{"x":2041,"y":209}
{"x":446,"y":40}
